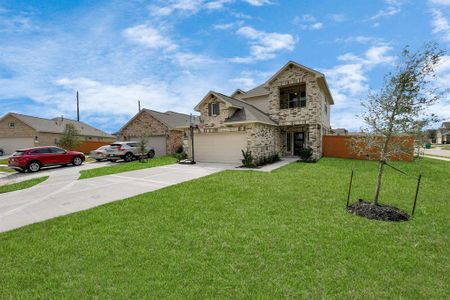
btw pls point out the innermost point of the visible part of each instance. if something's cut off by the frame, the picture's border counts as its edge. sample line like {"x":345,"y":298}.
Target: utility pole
{"x":78,"y":108}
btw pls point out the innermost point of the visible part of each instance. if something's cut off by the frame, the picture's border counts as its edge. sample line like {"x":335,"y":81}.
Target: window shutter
{"x":209,"y":109}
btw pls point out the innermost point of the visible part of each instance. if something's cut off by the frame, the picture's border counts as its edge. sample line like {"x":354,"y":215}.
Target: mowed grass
{"x":244,"y":234}
{"x":21,"y":185}
{"x":3,"y":161}
{"x":6,"y":169}
{"x":121,"y":166}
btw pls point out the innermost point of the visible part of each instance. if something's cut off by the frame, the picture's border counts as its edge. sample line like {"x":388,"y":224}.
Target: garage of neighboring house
{"x":159,"y":129}
{"x":9,"y":145}
{"x":220,"y":147}
{"x":159,"y":143}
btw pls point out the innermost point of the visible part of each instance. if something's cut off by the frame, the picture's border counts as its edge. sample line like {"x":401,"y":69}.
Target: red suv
{"x":33,"y":159}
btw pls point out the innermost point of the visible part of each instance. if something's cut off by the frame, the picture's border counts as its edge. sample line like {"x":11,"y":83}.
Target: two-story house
{"x":443,"y":133}
{"x":286,"y":113}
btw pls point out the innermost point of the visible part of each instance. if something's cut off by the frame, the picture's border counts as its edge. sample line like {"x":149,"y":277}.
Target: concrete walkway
{"x":63,"y":194}
{"x":437,"y":152}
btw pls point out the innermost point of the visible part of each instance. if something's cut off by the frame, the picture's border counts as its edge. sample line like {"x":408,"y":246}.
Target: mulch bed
{"x":378,"y":212}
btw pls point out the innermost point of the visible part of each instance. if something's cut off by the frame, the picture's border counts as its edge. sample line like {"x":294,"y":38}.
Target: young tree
{"x":70,"y":138}
{"x":400,"y":107}
{"x":142,"y":147}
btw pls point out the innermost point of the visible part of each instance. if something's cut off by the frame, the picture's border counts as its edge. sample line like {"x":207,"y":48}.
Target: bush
{"x":305,"y":153}
{"x":180,"y":155}
{"x":179,"y":150}
{"x":248,"y":160}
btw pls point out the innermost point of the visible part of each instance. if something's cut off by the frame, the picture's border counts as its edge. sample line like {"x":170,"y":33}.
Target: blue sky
{"x":169,"y":54}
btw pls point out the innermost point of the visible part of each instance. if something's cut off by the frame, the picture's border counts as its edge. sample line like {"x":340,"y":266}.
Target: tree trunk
{"x":378,"y":188}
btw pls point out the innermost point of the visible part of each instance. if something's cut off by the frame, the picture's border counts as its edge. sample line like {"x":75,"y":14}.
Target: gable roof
{"x":245,"y":112}
{"x":261,"y":90}
{"x":446,"y":125}
{"x":170,"y":119}
{"x":57,"y":125}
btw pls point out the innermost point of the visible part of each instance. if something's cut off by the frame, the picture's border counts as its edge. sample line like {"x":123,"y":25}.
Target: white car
{"x":99,"y":154}
{"x":127,"y":151}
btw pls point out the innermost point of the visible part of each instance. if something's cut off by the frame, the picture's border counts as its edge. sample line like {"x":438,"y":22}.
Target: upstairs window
{"x":213,"y":109}
{"x":12,"y":125}
{"x":293,"y":96}
{"x":326,"y":108}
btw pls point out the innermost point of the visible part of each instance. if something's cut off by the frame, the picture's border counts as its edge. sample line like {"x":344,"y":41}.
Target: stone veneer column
{"x":315,"y":140}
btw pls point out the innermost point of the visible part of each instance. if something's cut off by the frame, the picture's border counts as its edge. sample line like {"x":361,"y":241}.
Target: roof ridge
{"x":245,"y":103}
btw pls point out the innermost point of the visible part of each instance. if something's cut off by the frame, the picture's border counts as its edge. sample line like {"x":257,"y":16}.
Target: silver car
{"x":99,"y":154}
{"x":127,"y":151}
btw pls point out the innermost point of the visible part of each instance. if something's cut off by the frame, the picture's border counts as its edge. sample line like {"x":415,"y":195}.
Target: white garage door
{"x":220,"y":147}
{"x":157,"y":142}
{"x":12,"y":144}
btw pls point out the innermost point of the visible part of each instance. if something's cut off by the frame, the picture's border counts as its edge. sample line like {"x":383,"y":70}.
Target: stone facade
{"x":146,"y":124}
{"x":143,"y":124}
{"x":313,"y":119}
{"x":263,"y":140}
{"x":225,"y":111}
{"x":311,"y":114}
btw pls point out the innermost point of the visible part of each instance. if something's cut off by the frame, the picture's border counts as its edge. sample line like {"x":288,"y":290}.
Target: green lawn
{"x":3,"y":161}
{"x":244,"y":234}
{"x":21,"y":185}
{"x":120,"y":167}
{"x":445,"y":147}
{"x":6,"y":169}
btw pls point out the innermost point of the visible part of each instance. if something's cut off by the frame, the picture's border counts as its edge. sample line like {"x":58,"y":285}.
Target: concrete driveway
{"x":64,"y":194}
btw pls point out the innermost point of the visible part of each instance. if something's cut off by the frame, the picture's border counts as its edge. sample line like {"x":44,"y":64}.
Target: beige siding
{"x":9,"y":145}
{"x":20,"y":129}
{"x":220,"y":147}
{"x":260,"y":102}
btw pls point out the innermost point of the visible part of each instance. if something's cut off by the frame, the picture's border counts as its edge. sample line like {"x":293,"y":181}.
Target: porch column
{"x":315,"y":140}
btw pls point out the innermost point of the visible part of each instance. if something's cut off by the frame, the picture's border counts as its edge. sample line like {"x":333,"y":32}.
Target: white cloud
{"x":349,"y":82}
{"x":393,"y":8}
{"x":149,"y":37}
{"x":258,"y":2}
{"x":440,"y":25}
{"x":264,"y":45}
{"x":191,"y":7}
{"x":250,"y":79}
{"x":440,"y":2}
{"x":360,"y":39}
{"x":442,"y":109}
{"x":307,"y":21}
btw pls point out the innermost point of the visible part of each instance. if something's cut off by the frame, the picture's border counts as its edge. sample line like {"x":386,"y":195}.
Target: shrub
{"x":305,"y":153}
{"x":179,"y":150}
{"x":248,"y":160}
{"x":180,"y":155}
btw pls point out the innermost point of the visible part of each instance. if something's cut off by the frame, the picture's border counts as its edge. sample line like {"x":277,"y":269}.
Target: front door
{"x":299,"y":140}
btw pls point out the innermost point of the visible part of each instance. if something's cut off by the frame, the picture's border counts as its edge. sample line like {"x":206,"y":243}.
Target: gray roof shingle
{"x":172,"y":119}
{"x":246,"y":111}
{"x":57,"y":125}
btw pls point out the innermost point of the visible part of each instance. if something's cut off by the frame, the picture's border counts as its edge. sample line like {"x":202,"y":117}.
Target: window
{"x":57,"y":150}
{"x":326,"y":108}
{"x":288,"y":142}
{"x":213,"y":109}
{"x":41,"y":151}
{"x":293,"y":96}
{"x":12,"y":125}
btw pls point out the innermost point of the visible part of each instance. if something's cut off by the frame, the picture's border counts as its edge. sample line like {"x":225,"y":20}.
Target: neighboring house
{"x":340,"y":131}
{"x":443,"y":134}
{"x":158,"y":128}
{"x":21,"y":131}
{"x":288,"y":112}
